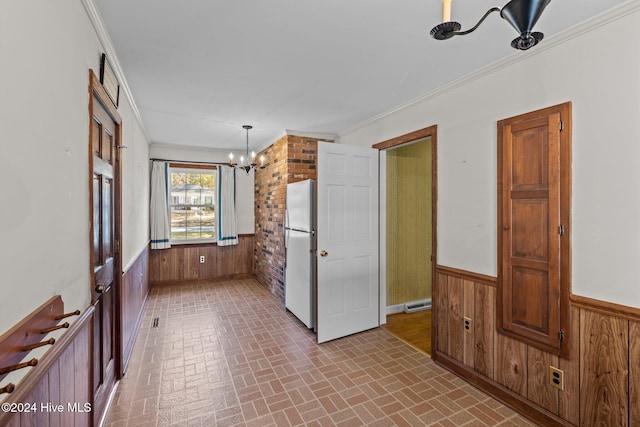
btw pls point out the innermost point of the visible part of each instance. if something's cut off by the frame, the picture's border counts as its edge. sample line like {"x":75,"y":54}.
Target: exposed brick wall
{"x":290,"y":159}
{"x":270,"y":194}
{"x":302,"y":157}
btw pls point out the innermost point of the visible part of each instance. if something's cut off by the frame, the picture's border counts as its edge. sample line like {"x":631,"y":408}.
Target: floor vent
{"x":155,"y":322}
{"x":412,"y":307}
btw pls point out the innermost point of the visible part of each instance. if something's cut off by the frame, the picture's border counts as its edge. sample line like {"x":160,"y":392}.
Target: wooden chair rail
{"x":27,"y":335}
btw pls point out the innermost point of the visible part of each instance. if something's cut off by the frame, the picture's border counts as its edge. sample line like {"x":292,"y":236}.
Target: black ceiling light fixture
{"x":521,"y":14}
{"x":247,"y":164}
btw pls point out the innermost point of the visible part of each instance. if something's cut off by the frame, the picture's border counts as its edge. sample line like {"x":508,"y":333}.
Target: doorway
{"x":409,"y":230}
{"x":105,"y":133}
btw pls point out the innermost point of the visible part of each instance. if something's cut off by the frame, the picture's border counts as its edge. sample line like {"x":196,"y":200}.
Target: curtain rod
{"x":188,"y":162}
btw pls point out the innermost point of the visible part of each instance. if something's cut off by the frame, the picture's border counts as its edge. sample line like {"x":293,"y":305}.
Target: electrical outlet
{"x":556,"y":378}
{"x":201,"y":259}
{"x":467,"y":324}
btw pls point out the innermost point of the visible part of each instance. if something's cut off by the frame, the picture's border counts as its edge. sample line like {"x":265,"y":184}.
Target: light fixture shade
{"x":523,"y":14}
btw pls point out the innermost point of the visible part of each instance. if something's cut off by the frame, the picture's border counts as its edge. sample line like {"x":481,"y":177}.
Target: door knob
{"x":324,"y":253}
{"x":100,"y":288}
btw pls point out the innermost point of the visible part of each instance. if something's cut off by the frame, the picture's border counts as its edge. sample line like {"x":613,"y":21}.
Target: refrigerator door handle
{"x":286,"y":238}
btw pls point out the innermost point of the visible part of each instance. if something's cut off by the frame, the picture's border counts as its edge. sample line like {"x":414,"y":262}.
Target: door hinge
{"x":561,"y":230}
{"x":561,"y":335}
{"x":561,"y":125}
{"x":117,"y":246}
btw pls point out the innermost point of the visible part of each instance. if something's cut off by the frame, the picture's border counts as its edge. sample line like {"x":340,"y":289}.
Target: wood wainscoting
{"x":601,"y":375}
{"x":61,"y":377}
{"x":181,"y":263}
{"x":133,"y":297}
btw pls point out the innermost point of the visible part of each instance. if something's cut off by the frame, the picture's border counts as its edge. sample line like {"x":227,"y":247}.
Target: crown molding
{"x":103,"y":35}
{"x":316,"y":135}
{"x":597,"y":21}
{"x":193,"y":148}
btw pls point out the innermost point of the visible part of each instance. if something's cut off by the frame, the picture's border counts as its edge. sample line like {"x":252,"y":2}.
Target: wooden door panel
{"x":530,"y":155}
{"x":107,"y":220}
{"x":107,"y":146}
{"x":105,"y":134}
{"x":530,"y":209}
{"x":530,"y":299}
{"x":96,"y":136}
{"x":530,"y":227}
{"x":107,"y":331}
{"x":97,"y":247}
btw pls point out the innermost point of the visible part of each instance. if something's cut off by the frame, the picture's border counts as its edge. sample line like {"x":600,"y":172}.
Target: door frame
{"x":97,"y":91}
{"x":409,"y":138}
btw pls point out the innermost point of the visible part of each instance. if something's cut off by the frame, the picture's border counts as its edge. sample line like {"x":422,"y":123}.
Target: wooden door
{"x":348,"y":290}
{"x":533,"y":229}
{"x":105,"y":262}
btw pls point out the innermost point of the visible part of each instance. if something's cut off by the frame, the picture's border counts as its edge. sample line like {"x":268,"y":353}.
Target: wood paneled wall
{"x":601,"y":377}
{"x":409,"y":223}
{"x":182,"y":263}
{"x":60,"y":378}
{"x":133,"y":296}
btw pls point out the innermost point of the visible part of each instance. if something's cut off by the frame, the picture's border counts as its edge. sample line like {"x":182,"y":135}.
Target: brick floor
{"x":229,"y":354}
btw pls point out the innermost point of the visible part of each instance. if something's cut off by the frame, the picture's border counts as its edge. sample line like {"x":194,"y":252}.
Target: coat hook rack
{"x":27,"y":335}
{"x":50,"y":341}
{"x":54,"y":328}
{"x":7,"y":369}
{"x":8,"y":388}
{"x":73,"y":313}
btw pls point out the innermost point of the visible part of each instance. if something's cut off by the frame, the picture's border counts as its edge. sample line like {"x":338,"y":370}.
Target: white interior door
{"x":347,"y":237}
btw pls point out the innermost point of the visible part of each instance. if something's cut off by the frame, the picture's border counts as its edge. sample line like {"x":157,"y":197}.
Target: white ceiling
{"x":200,"y":69}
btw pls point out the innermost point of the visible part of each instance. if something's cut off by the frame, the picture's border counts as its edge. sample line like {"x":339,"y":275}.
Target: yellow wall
{"x":409,"y":223}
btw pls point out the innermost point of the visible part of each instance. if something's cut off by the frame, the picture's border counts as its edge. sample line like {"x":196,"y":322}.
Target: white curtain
{"x":159,"y":209}
{"x":226,"y":207}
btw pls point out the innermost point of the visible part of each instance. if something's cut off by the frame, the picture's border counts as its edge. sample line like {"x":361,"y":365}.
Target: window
{"x":192,"y":198}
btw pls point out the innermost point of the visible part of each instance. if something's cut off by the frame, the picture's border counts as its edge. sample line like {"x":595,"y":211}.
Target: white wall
{"x":244,"y":182}
{"x":597,"y":67}
{"x":47,"y":49}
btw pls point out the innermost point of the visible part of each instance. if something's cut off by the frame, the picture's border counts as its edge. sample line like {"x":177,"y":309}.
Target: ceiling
{"x":200,"y":69}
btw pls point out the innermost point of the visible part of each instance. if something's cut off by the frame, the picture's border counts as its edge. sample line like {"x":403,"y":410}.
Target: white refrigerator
{"x":300,"y":265}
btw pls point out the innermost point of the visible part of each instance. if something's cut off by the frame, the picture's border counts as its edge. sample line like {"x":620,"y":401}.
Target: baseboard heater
{"x":412,"y":307}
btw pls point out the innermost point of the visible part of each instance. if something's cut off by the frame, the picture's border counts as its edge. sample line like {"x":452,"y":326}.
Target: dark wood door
{"x":531,"y":230}
{"x":104,"y":251}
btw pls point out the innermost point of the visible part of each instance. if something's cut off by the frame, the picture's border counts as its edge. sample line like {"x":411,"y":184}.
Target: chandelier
{"x":521,"y":14}
{"x":247,"y":164}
